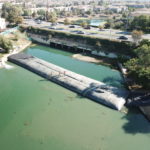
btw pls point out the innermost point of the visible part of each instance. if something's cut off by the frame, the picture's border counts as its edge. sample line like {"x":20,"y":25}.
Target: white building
{"x":1,"y":5}
{"x":136,"y":5}
{"x":117,"y":9}
{"x":2,"y":24}
{"x":29,"y":5}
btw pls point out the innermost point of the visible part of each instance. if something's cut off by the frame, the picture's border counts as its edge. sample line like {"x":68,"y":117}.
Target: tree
{"x":120,"y":25}
{"x":89,"y":12}
{"x":100,"y":27}
{"x":5,"y":44}
{"x":52,"y":17}
{"x":34,"y":14}
{"x":41,"y":12}
{"x":109,"y":24}
{"x":11,"y":12}
{"x":19,"y":20}
{"x":14,"y":13}
{"x":101,"y":2}
{"x":143,"y":53}
{"x":5,"y":9}
{"x":27,"y":12}
{"x":145,"y":42}
{"x":141,"y":23}
{"x":67,"y":21}
{"x":139,"y":67}
{"x":137,"y":36}
{"x":84,"y":24}
{"x":53,"y":20}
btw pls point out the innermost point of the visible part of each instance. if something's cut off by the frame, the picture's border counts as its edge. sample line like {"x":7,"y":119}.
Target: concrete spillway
{"x":95,"y":90}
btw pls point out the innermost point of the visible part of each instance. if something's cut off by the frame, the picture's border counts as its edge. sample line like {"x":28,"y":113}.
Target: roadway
{"x":111,"y":34}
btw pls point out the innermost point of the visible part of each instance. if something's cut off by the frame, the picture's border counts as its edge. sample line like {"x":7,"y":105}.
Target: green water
{"x":64,"y":59}
{"x":39,"y":115}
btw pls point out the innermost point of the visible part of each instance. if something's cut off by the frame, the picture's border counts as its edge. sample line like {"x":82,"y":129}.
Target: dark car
{"x":88,"y":27}
{"x":72,"y":26}
{"x":123,"y":38}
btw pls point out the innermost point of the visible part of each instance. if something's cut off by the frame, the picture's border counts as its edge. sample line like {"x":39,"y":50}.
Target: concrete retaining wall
{"x":109,"y":55}
{"x":95,"y":90}
{"x":39,"y":39}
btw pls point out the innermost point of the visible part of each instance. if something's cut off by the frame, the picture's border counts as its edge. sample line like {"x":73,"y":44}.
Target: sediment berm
{"x":87,"y":87}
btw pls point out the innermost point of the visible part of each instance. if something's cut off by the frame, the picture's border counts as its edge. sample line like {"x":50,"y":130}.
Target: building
{"x":117,"y":9}
{"x":1,"y":5}
{"x":136,"y":6}
{"x":140,"y":12}
{"x":29,"y":5}
{"x":2,"y":24}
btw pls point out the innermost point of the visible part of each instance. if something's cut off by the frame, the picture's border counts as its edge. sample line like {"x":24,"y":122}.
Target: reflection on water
{"x":136,"y":124}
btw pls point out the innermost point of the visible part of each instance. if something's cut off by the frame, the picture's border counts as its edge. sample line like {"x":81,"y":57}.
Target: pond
{"x":92,"y":22}
{"x":64,"y":59}
{"x":37,"y":114}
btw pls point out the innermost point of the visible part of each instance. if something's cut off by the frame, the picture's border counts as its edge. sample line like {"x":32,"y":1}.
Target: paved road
{"x":95,"y":32}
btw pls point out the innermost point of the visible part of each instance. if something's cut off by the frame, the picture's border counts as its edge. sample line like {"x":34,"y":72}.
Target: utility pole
{"x":127,"y":23}
{"x":47,"y":5}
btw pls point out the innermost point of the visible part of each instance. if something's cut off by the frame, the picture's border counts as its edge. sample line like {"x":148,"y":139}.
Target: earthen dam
{"x":87,"y":87}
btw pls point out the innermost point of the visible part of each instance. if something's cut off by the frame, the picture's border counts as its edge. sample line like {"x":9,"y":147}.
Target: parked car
{"x":59,"y":28}
{"x":92,"y":33}
{"x":71,"y":26}
{"x":80,"y":32}
{"x":123,"y":38}
{"x":74,"y":31}
{"x":88,"y":27}
{"x":54,"y":24}
{"x":38,"y":21}
{"x":52,"y":27}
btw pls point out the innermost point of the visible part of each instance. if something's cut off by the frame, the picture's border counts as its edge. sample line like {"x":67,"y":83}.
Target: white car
{"x":39,"y":22}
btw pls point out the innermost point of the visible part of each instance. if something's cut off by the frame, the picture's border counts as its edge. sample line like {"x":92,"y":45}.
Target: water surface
{"x":92,"y":22}
{"x":64,"y":59}
{"x":36,"y":114}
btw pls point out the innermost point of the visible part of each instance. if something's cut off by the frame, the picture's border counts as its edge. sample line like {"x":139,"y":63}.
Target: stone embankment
{"x":87,"y":87}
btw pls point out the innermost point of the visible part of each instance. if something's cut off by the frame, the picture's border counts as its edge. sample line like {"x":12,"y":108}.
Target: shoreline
{"x":99,"y":61}
{"x":17,"y":49}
